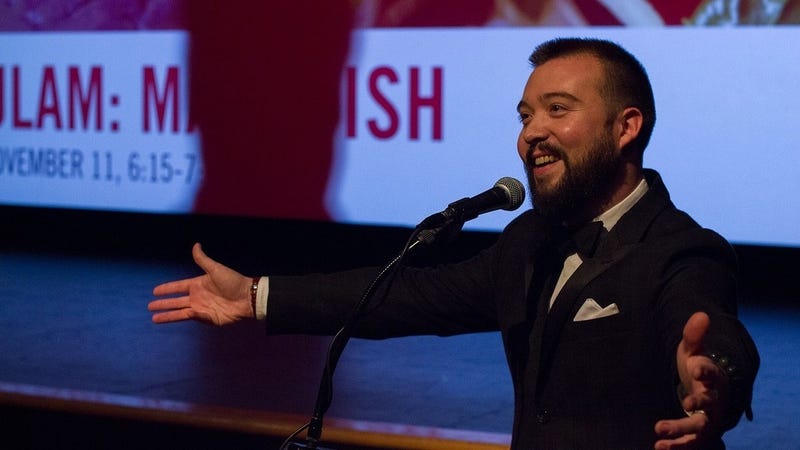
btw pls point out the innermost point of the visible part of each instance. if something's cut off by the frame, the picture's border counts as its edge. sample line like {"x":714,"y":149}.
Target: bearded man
{"x":616,"y":309}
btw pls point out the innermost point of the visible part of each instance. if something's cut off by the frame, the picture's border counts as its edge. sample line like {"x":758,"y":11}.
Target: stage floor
{"x":81,"y":323}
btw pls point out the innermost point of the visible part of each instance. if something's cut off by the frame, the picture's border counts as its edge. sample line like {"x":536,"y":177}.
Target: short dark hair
{"x":626,"y":83}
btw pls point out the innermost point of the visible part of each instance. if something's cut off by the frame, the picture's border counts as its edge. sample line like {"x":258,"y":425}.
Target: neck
{"x":620,"y":187}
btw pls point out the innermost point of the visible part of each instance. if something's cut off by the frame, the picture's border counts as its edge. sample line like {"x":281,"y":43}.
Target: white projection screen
{"x":99,"y":107}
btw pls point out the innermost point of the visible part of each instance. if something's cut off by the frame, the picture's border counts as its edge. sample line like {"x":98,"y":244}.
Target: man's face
{"x":567,"y":141}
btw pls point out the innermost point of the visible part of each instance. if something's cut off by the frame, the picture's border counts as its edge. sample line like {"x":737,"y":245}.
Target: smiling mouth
{"x":541,"y":161}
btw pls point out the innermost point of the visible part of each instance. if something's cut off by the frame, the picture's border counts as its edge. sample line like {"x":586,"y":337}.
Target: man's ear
{"x":629,"y":124}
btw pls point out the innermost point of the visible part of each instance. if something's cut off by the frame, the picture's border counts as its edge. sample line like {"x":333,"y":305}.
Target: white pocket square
{"x":591,"y":310}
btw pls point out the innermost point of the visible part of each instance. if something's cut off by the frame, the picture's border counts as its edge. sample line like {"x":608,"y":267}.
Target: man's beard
{"x":583,"y":183}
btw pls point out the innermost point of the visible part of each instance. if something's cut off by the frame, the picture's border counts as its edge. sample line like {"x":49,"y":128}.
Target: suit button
{"x":543,"y":417}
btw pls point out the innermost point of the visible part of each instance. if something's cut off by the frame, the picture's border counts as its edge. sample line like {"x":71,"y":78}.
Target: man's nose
{"x":534,"y":132}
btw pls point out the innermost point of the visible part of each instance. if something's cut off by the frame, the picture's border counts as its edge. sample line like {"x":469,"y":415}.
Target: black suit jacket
{"x":599,"y":383}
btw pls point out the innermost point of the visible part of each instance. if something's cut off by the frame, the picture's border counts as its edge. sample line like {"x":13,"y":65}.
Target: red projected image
{"x":73,"y":15}
{"x":265,"y":93}
{"x":446,"y":13}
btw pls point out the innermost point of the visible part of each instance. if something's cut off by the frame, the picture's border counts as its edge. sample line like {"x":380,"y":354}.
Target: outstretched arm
{"x":219,"y":297}
{"x":706,"y":388}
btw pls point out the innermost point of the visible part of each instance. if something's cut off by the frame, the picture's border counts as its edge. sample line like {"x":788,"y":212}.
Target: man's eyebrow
{"x":549,"y":96}
{"x":559,"y":94}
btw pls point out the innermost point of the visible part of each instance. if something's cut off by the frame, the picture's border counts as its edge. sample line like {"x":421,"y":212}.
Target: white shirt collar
{"x":613,"y":214}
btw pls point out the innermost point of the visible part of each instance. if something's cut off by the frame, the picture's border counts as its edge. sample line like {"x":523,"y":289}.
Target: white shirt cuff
{"x":261,"y":298}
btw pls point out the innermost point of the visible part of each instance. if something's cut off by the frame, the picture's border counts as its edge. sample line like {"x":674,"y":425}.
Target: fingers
{"x":178,"y":308}
{"x":706,"y":381}
{"x":683,"y":442}
{"x":182,"y":286}
{"x":168,"y":303}
{"x":176,"y":315}
{"x":710,"y":397}
{"x":173,"y":287}
{"x":170,"y":309}
{"x":694,"y":331}
{"x":705,"y":399}
{"x":703,"y":369}
{"x":702,"y":376}
{"x":694,"y":368}
{"x":680,"y":433}
{"x":202,"y":260}
{"x":701,"y":379}
{"x":691,"y":424}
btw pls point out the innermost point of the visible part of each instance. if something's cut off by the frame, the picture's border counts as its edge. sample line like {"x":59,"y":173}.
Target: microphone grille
{"x":515,"y":191}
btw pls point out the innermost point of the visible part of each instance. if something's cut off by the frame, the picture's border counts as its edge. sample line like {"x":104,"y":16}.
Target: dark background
{"x":280,"y":246}
{"x":74,"y":288}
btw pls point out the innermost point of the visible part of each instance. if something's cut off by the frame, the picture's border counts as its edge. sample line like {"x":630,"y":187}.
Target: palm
{"x":218,"y":297}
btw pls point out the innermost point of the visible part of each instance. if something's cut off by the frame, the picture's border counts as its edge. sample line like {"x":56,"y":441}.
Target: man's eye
{"x":556,"y":108}
{"x":523,"y":117}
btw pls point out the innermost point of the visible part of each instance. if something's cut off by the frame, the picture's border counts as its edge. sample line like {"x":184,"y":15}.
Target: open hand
{"x":221,"y":296}
{"x":706,"y":387}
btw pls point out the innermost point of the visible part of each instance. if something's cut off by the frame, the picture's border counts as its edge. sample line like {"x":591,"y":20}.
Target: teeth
{"x":541,"y":160}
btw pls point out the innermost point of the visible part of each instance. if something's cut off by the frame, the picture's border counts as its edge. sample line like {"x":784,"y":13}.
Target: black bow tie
{"x":586,"y":239}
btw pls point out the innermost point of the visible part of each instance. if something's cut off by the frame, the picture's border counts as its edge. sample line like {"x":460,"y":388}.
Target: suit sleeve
{"x":443,"y":300}
{"x":702,"y":277}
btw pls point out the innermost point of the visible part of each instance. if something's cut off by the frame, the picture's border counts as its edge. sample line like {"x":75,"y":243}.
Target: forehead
{"x":578,"y":75}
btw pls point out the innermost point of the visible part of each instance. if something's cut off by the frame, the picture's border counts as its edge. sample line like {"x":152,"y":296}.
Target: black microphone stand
{"x":420,"y":235}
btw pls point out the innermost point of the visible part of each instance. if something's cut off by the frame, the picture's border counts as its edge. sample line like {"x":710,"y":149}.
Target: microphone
{"x":508,"y":194}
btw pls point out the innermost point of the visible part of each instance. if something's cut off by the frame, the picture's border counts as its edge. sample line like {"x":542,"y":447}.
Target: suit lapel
{"x":564,"y":306}
{"x":542,"y":283}
{"x":624,"y":237}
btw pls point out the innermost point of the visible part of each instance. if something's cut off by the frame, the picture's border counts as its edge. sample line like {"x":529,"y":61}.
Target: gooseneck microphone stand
{"x":421,"y":235}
